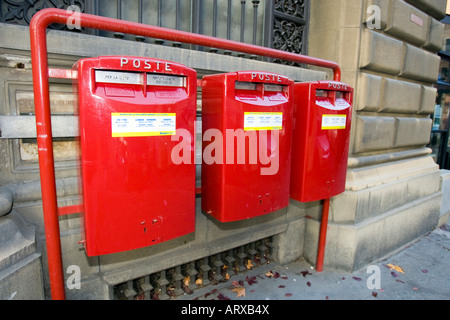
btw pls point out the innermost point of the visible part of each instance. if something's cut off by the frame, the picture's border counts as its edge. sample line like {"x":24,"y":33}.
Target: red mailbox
{"x":247,"y":136}
{"x":130,"y":109}
{"x":322,"y":112}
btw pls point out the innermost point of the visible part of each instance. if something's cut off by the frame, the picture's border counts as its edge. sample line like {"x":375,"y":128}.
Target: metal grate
{"x":186,"y":278}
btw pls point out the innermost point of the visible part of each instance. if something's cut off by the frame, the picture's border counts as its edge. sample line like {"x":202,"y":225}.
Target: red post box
{"x":247,"y":136}
{"x":130,"y":109}
{"x":322,"y":113}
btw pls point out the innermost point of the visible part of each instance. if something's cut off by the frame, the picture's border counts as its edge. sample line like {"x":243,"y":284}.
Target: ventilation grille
{"x":186,"y":278}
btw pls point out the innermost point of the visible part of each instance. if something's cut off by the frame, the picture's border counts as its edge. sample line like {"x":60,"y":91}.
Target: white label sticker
{"x":143,"y":124}
{"x":254,"y":121}
{"x":165,"y":80}
{"x":117,"y":77}
{"x":330,"y":122}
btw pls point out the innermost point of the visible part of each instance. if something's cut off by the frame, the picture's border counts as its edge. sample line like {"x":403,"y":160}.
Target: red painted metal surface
{"x":323,"y":235}
{"x":323,"y":113}
{"x":253,"y":122}
{"x":62,"y":74}
{"x":134,"y":193}
{"x":64,"y":211}
{"x":38,"y":26}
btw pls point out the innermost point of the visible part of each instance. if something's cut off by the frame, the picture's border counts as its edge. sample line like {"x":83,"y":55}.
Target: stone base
{"x":390,"y":205}
{"x":20,"y":264}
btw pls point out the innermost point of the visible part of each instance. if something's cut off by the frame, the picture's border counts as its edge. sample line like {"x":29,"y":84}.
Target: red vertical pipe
{"x":46,"y":162}
{"x":323,"y":235}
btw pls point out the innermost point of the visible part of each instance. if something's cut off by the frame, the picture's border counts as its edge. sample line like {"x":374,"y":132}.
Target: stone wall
{"x":393,"y":186}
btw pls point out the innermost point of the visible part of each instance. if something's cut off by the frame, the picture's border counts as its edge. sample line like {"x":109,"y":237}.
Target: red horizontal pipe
{"x":62,"y":74}
{"x":45,"y":17}
{"x":64,"y":211}
{"x":38,"y":27}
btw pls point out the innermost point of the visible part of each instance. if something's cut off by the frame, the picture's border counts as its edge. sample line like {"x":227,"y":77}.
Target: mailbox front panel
{"x":247,"y":136}
{"x":134,"y":194}
{"x":322,"y":112}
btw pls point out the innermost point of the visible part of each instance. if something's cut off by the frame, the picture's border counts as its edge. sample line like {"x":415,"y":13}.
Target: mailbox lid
{"x":234,"y":104}
{"x":134,"y":194}
{"x":323,"y":113}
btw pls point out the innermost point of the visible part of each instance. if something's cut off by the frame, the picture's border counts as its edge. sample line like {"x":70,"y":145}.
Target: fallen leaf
{"x":222,"y":297}
{"x":240,"y":291}
{"x":424,"y":270}
{"x":199,"y":281}
{"x":251,"y":280}
{"x":284,"y":277}
{"x":374,"y":294}
{"x":139,"y":296}
{"x":210,"y":293}
{"x":415,"y":288}
{"x":249,"y":265}
{"x":187,"y":280}
{"x":269,"y":274}
{"x":186,"y":289}
{"x":276,"y":275}
{"x":357,"y":278}
{"x":171,"y":292}
{"x":288,"y":295}
{"x":400,"y":281}
{"x":396,"y":268}
{"x":308,"y":284}
{"x":305,"y":273}
{"x":155,"y":295}
{"x":227,"y":276}
{"x":281,"y":286}
{"x":394,"y":274}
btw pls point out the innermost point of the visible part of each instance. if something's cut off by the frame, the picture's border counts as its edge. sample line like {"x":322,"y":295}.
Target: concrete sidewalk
{"x":419,"y":271}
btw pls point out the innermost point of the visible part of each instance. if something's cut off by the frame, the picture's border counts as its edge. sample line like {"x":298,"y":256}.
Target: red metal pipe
{"x":38,"y":27}
{"x":46,"y":161}
{"x":323,"y":235}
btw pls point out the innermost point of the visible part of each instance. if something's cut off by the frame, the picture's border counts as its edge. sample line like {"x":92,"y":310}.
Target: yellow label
{"x":334,"y":121}
{"x":143,"y":124}
{"x":255,"y":121}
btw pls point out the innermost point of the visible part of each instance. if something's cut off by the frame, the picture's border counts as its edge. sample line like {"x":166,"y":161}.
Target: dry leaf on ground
{"x":199,"y":281}
{"x":396,"y":268}
{"x":187,"y":280}
{"x":240,"y":291}
{"x":269,"y":274}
